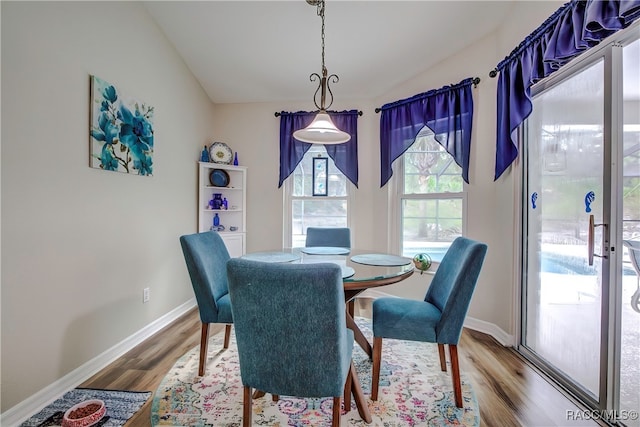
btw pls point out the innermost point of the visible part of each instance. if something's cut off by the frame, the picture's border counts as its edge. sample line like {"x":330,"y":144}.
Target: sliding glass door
{"x":565,"y":191}
{"x":582,"y":199}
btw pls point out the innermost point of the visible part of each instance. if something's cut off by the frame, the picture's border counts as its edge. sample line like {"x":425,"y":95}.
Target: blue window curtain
{"x":574,"y":28}
{"x":345,"y":156}
{"x":447,"y":111}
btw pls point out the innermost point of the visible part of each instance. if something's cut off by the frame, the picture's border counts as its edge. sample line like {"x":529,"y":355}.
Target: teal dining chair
{"x":290,"y":328}
{"x":339,"y":237}
{"x":437,"y":319}
{"x":206,"y":256}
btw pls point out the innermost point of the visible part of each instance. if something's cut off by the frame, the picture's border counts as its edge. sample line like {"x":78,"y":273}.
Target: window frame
{"x":396,"y":198}
{"x":288,"y":200}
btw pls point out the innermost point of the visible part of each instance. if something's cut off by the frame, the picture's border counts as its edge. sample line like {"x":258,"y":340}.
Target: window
{"x":303,"y":210}
{"x":428,"y":199}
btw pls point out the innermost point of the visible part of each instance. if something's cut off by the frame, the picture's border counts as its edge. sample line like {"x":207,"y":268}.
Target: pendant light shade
{"x":322,"y":131}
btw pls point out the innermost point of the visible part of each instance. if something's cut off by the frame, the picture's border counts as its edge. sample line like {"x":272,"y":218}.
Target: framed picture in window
{"x":320,"y":176}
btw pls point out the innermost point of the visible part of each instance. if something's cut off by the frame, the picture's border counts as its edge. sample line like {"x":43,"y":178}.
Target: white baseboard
{"x":500,"y":335}
{"x":373,"y":293}
{"x":25,"y":409}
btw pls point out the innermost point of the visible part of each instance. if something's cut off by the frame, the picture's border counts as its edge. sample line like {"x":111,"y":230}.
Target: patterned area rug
{"x":121,"y":405}
{"x":413,"y":392}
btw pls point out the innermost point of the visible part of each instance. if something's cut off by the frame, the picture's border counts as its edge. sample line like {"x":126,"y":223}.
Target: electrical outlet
{"x":145,"y":295}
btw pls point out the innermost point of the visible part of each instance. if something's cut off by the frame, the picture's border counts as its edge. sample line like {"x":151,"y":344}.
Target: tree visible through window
{"x":431,"y":198}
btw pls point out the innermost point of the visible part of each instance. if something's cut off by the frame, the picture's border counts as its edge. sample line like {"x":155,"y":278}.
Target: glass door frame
{"x":610,"y":352}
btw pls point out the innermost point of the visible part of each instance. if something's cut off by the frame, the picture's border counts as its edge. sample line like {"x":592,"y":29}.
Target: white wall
{"x":80,"y":244}
{"x":490,"y":204}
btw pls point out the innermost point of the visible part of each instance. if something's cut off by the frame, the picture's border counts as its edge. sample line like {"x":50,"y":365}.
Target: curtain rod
{"x":475,"y":82}
{"x":278,"y":114}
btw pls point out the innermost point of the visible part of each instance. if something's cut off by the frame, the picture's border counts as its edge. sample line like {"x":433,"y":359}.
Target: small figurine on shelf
{"x":204,"y":157}
{"x":217,"y":201}
{"x":216,"y":220}
{"x":235,"y":159}
{"x":225,"y":204}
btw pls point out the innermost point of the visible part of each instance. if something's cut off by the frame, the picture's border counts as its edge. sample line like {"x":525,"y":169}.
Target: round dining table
{"x":361,"y":270}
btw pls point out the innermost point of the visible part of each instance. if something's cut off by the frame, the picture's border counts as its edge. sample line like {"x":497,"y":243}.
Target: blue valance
{"x":574,"y":28}
{"x":345,"y":156}
{"x":447,"y":111}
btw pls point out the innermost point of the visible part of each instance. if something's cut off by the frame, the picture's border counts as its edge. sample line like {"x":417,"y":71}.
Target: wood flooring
{"x":509,"y":391}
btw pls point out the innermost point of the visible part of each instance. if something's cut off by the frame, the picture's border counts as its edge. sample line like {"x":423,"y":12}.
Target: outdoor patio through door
{"x":581,"y":182}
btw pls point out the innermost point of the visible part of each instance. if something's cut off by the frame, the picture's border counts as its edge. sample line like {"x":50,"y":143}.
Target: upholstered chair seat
{"x":405,"y":319}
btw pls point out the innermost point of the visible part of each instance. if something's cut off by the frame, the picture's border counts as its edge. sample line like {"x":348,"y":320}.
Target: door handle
{"x":592,"y":226}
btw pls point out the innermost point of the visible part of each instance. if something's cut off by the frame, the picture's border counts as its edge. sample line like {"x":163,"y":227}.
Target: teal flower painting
{"x":121,"y":131}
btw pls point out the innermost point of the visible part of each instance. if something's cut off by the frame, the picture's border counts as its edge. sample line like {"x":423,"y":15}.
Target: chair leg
{"x":455,"y":374}
{"x":335,"y":421}
{"x":443,"y":361}
{"x":246,"y":407}
{"x":204,"y":344}
{"x":347,"y":392}
{"x":375,"y":375}
{"x":227,"y":334}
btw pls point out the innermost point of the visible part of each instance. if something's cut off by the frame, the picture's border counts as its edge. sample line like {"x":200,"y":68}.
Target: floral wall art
{"x":121,"y":131}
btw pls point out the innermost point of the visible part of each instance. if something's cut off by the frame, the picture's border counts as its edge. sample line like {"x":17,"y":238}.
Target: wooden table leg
{"x":361,"y":402}
{"x":359,"y":336}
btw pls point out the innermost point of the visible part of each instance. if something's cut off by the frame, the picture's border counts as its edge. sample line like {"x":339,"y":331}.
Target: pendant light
{"x":322,"y":130}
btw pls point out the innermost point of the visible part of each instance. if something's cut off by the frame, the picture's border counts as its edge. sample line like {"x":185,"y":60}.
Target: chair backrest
{"x":453,"y":285}
{"x":634,"y":253}
{"x":206,"y":256}
{"x":339,"y":237}
{"x":290,"y":327}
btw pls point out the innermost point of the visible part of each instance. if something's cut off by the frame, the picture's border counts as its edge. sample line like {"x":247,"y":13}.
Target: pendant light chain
{"x":322,"y":130}
{"x":321,"y":13}
{"x":324,"y":79}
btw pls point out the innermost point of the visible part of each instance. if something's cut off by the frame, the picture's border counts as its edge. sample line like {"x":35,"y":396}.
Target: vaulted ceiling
{"x":264,"y":51}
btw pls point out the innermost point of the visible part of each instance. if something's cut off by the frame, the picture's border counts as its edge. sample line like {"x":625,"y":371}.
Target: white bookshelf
{"x":235,"y":216}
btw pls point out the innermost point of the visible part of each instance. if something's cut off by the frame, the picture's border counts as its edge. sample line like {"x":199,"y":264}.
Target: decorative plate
{"x":219,"y":178}
{"x":347,"y":271}
{"x":325,"y":250}
{"x":219,"y":152}
{"x":381,"y":259}
{"x":275,"y":257}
